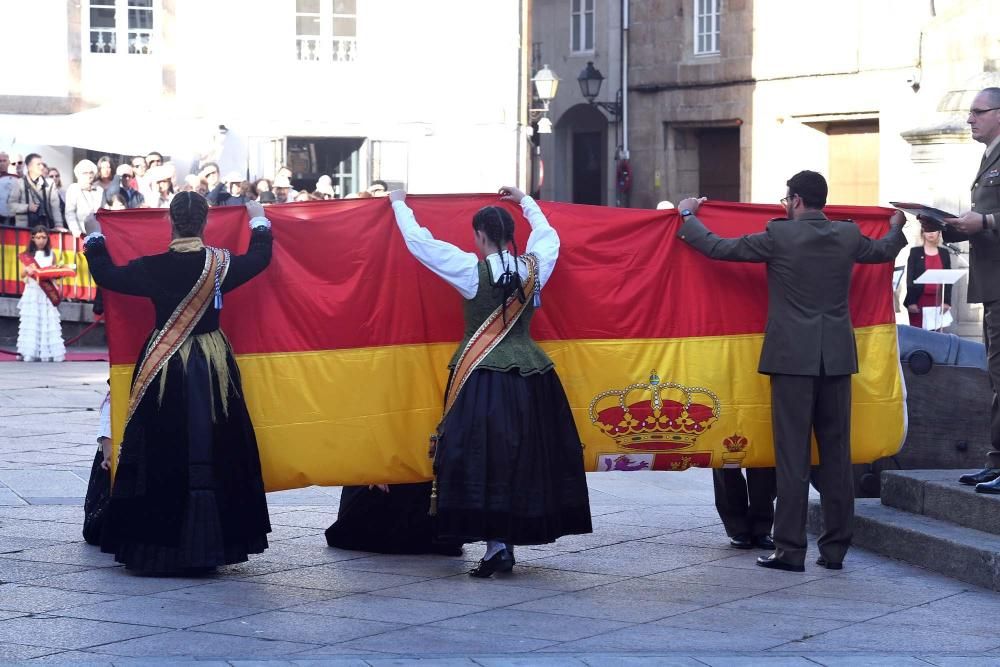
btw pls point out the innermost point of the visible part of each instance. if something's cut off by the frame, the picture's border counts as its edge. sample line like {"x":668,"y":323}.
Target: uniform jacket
{"x":984,"y":246}
{"x":809,"y":264}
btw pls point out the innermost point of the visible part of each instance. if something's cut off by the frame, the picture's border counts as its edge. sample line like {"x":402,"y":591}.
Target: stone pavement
{"x":653,"y":585}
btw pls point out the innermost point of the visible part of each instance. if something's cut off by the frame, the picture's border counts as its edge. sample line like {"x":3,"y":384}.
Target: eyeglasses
{"x":785,"y":201}
{"x":138,"y":165}
{"x":153,"y":161}
{"x":979,"y":112}
{"x":18,"y":162}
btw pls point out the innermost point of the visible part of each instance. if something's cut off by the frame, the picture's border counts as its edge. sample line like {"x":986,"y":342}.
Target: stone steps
{"x":937,"y":494}
{"x":925,"y":517}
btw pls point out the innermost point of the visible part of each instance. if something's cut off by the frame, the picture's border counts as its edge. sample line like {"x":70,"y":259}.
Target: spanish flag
{"x":343,"y":342}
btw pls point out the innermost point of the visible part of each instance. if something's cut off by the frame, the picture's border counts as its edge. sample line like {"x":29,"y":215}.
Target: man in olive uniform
{"x":981,"y":227}
{"x":809,"y":353}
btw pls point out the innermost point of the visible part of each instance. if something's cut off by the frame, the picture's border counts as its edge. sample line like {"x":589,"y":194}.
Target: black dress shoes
{"x":989,"y":487}
{"x":502,"y":561}
{"x":763,"y":542}
{"x":829,"y":564}
{"x":741,"y":541}
{"x":772,"y":562}
{"x":981,"y":477}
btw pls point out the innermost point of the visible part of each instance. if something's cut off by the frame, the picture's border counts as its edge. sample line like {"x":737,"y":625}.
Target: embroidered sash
{"x":180,"y":325}
{"x":489,"y":334}
{"x":46,"y":276}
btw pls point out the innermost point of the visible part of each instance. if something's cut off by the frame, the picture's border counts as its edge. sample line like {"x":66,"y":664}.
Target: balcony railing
{"x":336,"y":50}
{"x":103,"y":41}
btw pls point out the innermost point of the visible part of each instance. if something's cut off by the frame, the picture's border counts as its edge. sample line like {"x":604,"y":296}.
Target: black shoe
{"x":741,"y":541}
{"x":509,"y":561}
{"x":989,"y":487}
{"x":984,"y":475}
{"x":500,"y":562}
{"x":763,"y":542}
{"x":829,"y":564}
{"x":772,"y":562}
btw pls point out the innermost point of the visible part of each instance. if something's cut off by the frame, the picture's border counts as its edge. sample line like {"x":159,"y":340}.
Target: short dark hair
{"x":811,"y":187}
{"x":31,"y":157}
{"x":379,"y":181}
{"x":156,"y":153}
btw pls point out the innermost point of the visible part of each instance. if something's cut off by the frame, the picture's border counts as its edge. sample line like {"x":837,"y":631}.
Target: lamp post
{"x":546,"y":84}
{"x":590,"y":81}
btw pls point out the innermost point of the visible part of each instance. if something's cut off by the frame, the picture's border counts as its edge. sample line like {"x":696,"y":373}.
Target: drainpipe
{"x":624,"y":78}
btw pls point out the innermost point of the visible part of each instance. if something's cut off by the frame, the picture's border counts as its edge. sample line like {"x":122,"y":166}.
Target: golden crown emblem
{"x":654,"y":415}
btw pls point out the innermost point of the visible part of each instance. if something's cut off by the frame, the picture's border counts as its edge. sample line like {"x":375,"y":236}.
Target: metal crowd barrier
{"x":14,"y":241}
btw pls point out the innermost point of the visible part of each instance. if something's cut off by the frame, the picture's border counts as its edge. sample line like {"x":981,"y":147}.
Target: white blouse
{"x":459,"y":268}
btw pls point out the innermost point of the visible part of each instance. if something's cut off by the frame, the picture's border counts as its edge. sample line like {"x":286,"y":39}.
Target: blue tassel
{"x":538,"y":299}
{"x":218,"y":300}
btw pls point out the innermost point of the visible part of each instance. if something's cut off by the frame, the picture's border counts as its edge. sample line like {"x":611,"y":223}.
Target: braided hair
{"x":188,"y":213}
{"x":496,"y":223}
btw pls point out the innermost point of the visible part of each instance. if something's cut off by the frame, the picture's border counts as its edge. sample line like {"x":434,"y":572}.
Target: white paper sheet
{"x":934,"y":319}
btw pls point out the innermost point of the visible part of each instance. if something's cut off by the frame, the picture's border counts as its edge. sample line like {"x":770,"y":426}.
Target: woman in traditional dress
{"x":388,"y":519}
{"x":39,"y":329}
{"x":508,"y":461}
{"x":188,"y":493}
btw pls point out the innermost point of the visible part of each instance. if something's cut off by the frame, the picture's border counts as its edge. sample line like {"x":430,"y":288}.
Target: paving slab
{"x":159,"y":612}
{"x":259,"y":596}
{"x":605,"y":605}
{"x":437,"y":641}
{"x":386,"y":609}
{"x":497,"y":592}
{"x":68,"y":633}
{"x":536,"y":625}
{"x":293,"y":626}
{"x":203,"y":645}
{"x":33,"y":599}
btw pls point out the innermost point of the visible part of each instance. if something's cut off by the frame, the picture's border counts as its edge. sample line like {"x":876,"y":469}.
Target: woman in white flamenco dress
{"x":39,"y":332}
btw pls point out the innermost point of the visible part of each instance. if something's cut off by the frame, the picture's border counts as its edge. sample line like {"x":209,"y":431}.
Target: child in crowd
{"x":39,"y":331}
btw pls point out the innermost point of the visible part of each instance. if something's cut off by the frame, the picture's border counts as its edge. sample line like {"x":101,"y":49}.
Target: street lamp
{"x":590,"y":81}
{"x":546,"y":84}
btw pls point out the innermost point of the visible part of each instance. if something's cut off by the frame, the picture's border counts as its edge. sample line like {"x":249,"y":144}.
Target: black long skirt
{"x":95,"y":504}
{"x":510,"y":463}
{"x":396,"y":522}
{"x":188,"y":492}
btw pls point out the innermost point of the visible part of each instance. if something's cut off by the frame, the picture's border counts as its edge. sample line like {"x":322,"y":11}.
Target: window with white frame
{"x":326,"y":30}
{"x":121,"y":26}
{"x":706,"y":27}
{"x":582,"y":26}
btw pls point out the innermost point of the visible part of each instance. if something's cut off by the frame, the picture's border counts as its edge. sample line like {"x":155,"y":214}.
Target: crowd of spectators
{"x":32,"y":194}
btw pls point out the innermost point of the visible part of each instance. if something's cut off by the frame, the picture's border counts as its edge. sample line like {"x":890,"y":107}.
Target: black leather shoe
{"x":989,"y":487}
{"x":741,"y":541}
{"x":763,"y":542}
{"x":984,"y":475}
{"x":772,"y":562}
{"x":500,"y":562}
{"x":829,"y":564}
{"x":509,"y":560}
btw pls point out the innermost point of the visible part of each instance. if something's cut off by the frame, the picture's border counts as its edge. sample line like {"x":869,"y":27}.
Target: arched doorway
{"x":581,"y":136}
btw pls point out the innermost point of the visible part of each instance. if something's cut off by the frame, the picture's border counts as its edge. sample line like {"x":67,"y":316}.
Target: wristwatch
{"x":686,"y":212}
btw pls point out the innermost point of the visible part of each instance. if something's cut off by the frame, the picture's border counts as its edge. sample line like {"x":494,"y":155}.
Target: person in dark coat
{"x":928,"y":255}
{"x":188,"y":493}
